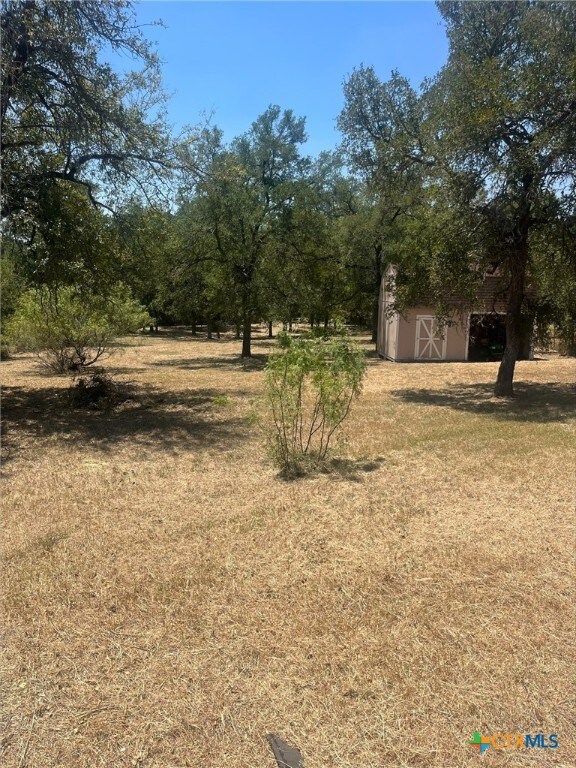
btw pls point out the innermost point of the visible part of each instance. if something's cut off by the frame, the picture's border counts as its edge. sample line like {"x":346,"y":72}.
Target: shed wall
{"x":456,"y":336}
{"x":392,"y":336}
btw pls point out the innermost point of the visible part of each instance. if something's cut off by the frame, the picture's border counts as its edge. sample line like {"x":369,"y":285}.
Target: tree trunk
{"x":514,"y":320}
{"x":375,"y":318}
{"x":270,"y":330}
{"x":505,"y":380}
{"x":238,"y":330}
{"x":246,"y":310}
{"x":193,"y":327}
{"x":290,"y":325}
{"x":326,"y":321}
{"x":209,"y":329}
{"x":246,"y":336}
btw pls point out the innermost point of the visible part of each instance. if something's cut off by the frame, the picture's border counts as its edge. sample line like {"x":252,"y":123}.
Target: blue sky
{"x":236,"y":58}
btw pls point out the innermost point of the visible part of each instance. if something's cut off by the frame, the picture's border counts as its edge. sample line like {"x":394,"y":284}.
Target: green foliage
{"x":10,"y":290}
{"x":243,"y":202}
{"x":222,"y":400}
{"x":65,"y":114}
{"x":76,"y":136}
{"x":554,"y":272}
{"x":482,"y":159}
{"x":70,"y":330}
{"x":9,"y":286}
{"x":310,"y":385}
{"x":148,"y":246}
{"x":504,"y":114}
{"x":72,"y":243}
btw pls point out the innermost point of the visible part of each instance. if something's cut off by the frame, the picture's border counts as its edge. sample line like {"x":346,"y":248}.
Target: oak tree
{"x":66,"y":117}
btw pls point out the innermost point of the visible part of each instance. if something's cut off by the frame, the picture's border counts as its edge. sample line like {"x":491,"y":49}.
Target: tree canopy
{"x":244,"y":199}
{"x":66,"y":115}
{"x":474,"y":170}
{"x":487,"y":147}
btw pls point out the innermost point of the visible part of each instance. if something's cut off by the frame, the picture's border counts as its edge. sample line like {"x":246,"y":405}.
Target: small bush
{"x":69,"y":330}
{"x":98,"y":391}
{"x":309,"y":388}
{"x":222,"y":400}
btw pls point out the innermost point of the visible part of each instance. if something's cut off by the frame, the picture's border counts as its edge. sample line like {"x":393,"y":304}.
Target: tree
{"x":69,"y":242}
{"x":70,"y":330}
{"x":382,"y":126}
{"x":306,"y":269}
{"x":10,"y":290}
{"x":504,"y":109}
{"x":200,"y":284}
{"x":493,"y":138}
{"x":554,"y":267}
{"x":65,"y":115}
{"x":244,"y":199}
{"x":75,"y":138}
{"x":370,"y":239}
{"x":148,"y":241}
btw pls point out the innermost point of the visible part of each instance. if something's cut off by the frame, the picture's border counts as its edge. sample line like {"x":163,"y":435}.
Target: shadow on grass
{"x":140,"y":339}
{"x":147,"y":418}
{"x":352,"y":470}
{"x":230,"y":363}
{"x":533,"y":402}
{"x":184,"y":333}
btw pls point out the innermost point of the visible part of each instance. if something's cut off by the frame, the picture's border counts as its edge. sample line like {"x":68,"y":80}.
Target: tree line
{"x":474,"y":170}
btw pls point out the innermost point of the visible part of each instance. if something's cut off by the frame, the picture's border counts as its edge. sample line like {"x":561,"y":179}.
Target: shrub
{"x":10,"y":289}
{"x":69,"y":330}
{"x":309,"y":387}
{"x":98,"y":391}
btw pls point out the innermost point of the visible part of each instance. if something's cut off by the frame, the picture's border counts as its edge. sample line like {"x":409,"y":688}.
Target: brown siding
{"x":457,"y":340}
{"x":456,"y":335}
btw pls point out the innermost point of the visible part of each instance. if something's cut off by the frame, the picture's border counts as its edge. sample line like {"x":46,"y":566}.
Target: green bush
{"x":10,"y":289}
{"x":70,"y":330}
{"x":309,"y":387}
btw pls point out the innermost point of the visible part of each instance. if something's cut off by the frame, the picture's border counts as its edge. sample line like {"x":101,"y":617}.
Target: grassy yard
{"x":168,"y":600}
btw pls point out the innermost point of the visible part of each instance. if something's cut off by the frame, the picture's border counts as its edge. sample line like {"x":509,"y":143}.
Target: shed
{"x":474,"y":333}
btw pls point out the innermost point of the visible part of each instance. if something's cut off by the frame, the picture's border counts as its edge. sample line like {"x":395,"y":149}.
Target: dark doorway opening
{"x":487,"y":337}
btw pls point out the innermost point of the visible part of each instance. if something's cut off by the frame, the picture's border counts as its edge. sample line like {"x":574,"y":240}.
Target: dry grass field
{"x":169,"y":600}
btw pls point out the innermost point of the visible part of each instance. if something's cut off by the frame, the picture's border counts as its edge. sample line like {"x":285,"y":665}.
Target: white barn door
{"x":430,"y":339}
